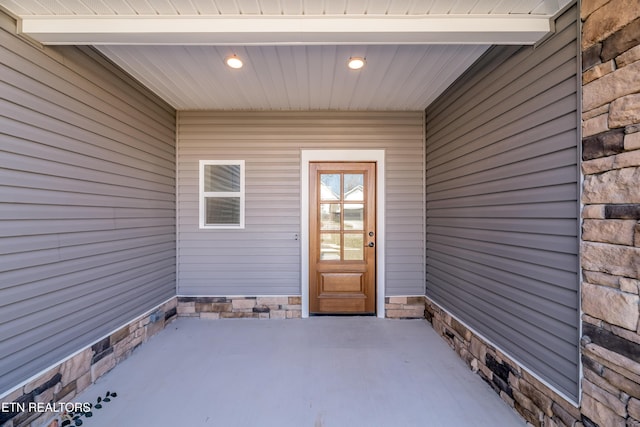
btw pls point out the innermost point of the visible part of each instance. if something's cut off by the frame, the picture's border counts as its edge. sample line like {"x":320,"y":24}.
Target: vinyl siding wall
{"x":87,"y":202}
{"x":502,"y":203}
{"x":265,"y":257}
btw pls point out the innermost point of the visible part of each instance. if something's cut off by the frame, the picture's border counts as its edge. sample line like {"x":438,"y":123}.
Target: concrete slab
{"x":317,"y":372}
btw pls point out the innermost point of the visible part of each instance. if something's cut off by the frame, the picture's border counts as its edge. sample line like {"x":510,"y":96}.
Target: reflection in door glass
{"x":330,"y":216}
{"x":353,"y":216}
{"x":330,"y":186}
{"x":353,"y":247}
{"x":329,"y":247}
{"x":354,"y":186}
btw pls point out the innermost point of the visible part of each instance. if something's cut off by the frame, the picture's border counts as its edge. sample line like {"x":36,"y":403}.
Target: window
{"x":221,"y":193}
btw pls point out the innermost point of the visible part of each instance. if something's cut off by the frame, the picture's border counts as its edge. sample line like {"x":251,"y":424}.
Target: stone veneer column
{"x":610,"y":244}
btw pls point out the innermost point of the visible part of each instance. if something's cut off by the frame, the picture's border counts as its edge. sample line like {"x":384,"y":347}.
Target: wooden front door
{"x":342,"y":238}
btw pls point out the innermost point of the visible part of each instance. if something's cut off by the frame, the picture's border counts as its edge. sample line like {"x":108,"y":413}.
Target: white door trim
{"x":376,"y":156}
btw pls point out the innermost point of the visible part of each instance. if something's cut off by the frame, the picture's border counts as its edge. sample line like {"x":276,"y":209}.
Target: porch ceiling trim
{"x":286,"y":30}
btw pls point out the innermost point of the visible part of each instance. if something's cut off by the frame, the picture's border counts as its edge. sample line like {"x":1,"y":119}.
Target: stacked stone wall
{"x":283,"y":307}
{"x":538,"y":404}
{"x":69,"y":378}
{"x":404,"y":307}
{"x":610,"y":247}
{"x":279,"y":307}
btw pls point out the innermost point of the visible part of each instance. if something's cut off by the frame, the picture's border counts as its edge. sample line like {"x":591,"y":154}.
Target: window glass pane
{"x":354,"y":247}
{"x":221,"y":178}
{"x":354,"y":186}
{"x":329,"y":246}
{"x":222,"y":210}
{"x":353,"y":216}
{"x":330,"y":186}
{"x":330,"y":216}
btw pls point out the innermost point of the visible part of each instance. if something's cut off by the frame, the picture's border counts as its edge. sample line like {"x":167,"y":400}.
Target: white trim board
{"x":376,"y":156}
{"x":263,"y":30}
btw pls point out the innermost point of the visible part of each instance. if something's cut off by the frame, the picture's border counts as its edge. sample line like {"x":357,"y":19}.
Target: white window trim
{"x":203,"y":194}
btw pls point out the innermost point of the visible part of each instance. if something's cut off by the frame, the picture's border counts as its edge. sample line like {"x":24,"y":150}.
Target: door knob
{"x":371,"y":244}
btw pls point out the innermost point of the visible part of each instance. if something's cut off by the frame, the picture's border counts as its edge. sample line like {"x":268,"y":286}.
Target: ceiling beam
{"x":286,"y":30}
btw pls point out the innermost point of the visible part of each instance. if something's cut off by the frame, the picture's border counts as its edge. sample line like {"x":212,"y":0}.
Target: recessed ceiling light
{"x":233,"y":61}
{"x":356,"y":62}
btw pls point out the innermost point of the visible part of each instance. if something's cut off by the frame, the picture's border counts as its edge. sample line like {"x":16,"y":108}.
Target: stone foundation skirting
{"x":283,"y":307}
{"x":404,"y":307}
{"x":70,"y":377}
{"x":235,"y":307}
{"x":534,"y":401}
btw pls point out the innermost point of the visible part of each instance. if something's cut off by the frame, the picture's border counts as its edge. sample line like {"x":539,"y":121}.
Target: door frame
{"x":376,"y":156}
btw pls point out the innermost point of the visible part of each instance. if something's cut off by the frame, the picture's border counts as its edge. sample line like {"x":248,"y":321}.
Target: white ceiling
{"x":295,"y":51}
{"x":296,"y":77}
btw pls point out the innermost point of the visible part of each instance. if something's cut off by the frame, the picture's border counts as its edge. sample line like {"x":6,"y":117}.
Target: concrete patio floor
{"x":317,"y":372}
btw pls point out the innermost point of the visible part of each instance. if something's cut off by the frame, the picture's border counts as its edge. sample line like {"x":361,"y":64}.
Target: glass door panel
{"x":330,"y":186}
{"x":330,"y":216}
{"x":353,"y":216}
{"x":353,"y":247}
{"x":341,"y":216}
{"x":330,"y":249}
{"x":354,"y":187}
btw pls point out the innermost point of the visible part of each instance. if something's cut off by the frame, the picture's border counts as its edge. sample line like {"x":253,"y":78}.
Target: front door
{"x":342,"y":238}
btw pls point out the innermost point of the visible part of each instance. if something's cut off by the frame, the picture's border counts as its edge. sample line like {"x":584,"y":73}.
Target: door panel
{"x":342,"y":231}
{"x":342,"y":282}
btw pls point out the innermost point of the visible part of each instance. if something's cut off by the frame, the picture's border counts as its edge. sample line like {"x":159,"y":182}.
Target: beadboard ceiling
{"x":295,"y":51}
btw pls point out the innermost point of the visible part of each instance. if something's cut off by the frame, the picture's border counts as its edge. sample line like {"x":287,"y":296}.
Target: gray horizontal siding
{"x":264,"y":258}
{"x":87,"y":204}
{"x":502,"y":203}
